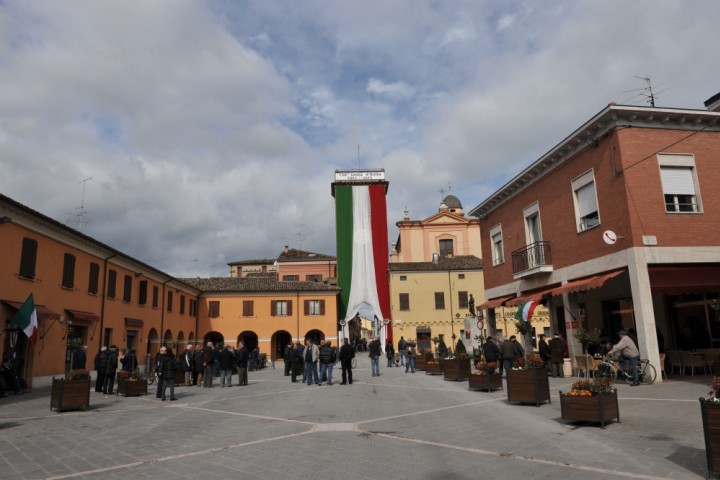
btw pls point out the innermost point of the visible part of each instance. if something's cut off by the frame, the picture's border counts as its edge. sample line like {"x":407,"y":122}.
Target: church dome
{"x":452,"y":202}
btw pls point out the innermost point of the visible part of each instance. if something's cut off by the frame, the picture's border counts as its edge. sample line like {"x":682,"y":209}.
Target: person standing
{"x":410,"y":357}
{"x":509,"y":352}
{"x":166,"y":370}
{"x":227,"y":362}
{"x":347,"y":353}
{"x":295,"y":359}
{"x":80,"y":358}
{"x":241,"y":359}
{"x":312,"y":353}
{"x":328,"y":357}
{"x":390,"y":353}
{"x":490,"y":350}
{"x":286,"y":358}
{"x":100,"y":360}
{"x":208,"y":361}
{"x":402,"y":346}
{"x":187,"y":362}
{"x":628,"y":351}
{"x":198,"y":368}
{"x":498,"y":342}
{"x":544,"y":350}
{"x":111,"y":365}
{"x":129,"y":361}
{"x":375,"y":352}
{"x":556,"y":356}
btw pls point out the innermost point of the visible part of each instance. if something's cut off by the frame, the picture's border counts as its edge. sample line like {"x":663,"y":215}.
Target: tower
{"x":362,"y":247}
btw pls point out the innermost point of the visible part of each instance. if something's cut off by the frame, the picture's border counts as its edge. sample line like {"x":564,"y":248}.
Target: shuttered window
{"x":94,"y":278}
{"x":182,"y":304}
{"x":127,"y":289}
{"x":170,"y":301}
{"x":404,"y":301}
{"x":248,"y":308}
{"x":314,"y":307}
{"x":280,"y":308}
{"x":214,"y":309}
{"x":679,"y":189}
{"x":68,"y":275}
{"x":156,"y":296}
{"x":112,"y":284}
{"x":440,"y":300}
{"x":463,"y":299}
{"x":142,"y":292}
{"x":28,"y":258}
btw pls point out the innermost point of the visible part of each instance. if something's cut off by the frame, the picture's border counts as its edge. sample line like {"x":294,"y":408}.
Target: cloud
{"x":391,"y":91}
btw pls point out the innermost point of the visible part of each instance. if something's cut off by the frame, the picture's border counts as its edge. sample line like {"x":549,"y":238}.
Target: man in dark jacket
{"x":347,"y":353}
{"x":390,"y":353}
{"x":227,"y":362}
{"x":241,"y":359}
{"x":544,"y":350}
{"x":208,"y":359}
{"x":111,"y":365}
{"x":187,"y":363}
{"x":198,"y":368}
{"x":510,"y":350}
{"x":490,"y":350}
{"x":295,"y":360}
{"x":166,"y":371}
{"x":327,"y":361}
{"x":99,"y":364}
{"x":80,"y":358}
{"x":286,"y":358}
{"x":375,"y":351}
{"x":557,"y":357}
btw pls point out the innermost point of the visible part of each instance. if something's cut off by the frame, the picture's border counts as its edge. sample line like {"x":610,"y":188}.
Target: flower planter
{"x":488,"y":383}
{"x":131,"y":387}
{"x":420,"y":362}
{"x":456,"y":369}
{"x":597,"y":409}
{"x":711,"y":428}
{"x":69,"y":394}
{"x":528,"y":386}
{"x":434,"y":367}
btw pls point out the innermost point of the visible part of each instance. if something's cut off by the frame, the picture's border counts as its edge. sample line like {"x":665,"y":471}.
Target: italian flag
{"x":26,"y":319}
{"x":525,"y":310}
{"x":362,"y":249}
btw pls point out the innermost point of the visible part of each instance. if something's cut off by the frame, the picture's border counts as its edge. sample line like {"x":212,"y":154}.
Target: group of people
{"x":304,"y":359}
{"x":503,"y":352}
{"x":108,"y":361}
{"x":10,"y":380}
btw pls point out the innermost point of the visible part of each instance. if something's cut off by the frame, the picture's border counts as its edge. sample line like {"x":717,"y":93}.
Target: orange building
{"x":295,"y":265}
{"x":264,"y":313}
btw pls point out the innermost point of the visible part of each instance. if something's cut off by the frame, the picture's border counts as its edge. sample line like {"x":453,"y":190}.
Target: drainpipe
{"x":102,"y":299}
{"x":162,"y":315}
{"x":297,"y":314}
{"x":197,"y":319}
{"x":452,"y":318}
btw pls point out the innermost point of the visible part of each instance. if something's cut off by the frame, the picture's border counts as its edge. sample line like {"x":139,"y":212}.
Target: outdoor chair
{"x":662,"y":366}
{"x":675,"y":361}
{"x":582,"y":365}
{"x":692,"y":361}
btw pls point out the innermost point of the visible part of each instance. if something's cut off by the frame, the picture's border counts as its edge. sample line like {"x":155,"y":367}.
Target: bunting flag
{"x":26,"y":319}
{"x":525,"y":310}
{"x":362,"y":249}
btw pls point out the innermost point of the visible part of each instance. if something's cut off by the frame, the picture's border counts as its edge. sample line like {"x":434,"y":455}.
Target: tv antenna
{"x":646,"y":92}
{"x":358,"y":156}
{"x":300,"y":235}
{"x":80,"y":221}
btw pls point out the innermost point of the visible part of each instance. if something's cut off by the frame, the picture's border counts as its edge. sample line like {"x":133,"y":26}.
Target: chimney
{"x":287,"y":249}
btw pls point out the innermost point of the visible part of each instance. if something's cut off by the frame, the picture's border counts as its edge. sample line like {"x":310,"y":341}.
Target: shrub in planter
{"x":710,"y":411}
{"x":486,"y":377}
{"x":527,"y":381}
{"x":590,"y":401}
{"x":71,"y":392}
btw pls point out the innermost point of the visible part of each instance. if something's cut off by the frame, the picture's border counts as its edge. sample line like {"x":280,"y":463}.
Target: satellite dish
{"x":609,"y":237}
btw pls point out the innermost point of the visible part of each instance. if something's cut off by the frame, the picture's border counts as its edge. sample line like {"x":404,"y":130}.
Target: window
{"x":439,"y":300}
{"x":182,"y":304}
{"x":107,"y":337}
{"x":461,"y":276}
{"x":68,"y":275}
{"x":403,"y":278}
{"x":290,"y":278}
{"x":446,"y":248}
{"x":280,"y":308}
{"x":404,"y":301}
{"x":533,"y":236}
{"x":169,"y":301}
{"x":127,"y":289}
{"x":112,"y":283}
{"x":193,"y":308}
{"x":585,"y":200}
{"x":248,"y":308}
{"x":313,"y":278}
{"x":463,"y":299}
{"x":28,"y":258}
{"x":142,"y":293}
{"x":213,"y":309}
{"x":94,"y":278}
{"x":496,"y":241}
{"x":156,"y":295}
{"x":314,"y":307}
{"x":679,"y":183}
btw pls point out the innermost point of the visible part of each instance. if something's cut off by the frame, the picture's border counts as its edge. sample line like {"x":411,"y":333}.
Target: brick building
{"x":616,"y":227}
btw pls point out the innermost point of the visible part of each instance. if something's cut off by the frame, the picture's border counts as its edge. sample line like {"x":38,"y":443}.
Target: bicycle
{"x":152,"y":376}
{"x":611,"y":368}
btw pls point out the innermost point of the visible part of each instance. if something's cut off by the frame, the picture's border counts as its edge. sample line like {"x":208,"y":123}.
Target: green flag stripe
{"x":344,"y":226}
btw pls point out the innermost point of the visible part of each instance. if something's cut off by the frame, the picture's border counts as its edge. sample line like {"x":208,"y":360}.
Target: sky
{"x":194,"y":134}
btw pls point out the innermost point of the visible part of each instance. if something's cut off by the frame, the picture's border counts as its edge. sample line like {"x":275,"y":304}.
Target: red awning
{"x":495,"y":302}
{"x":42,"y":312}
{"x":678,"y":279}
{"x":537,"y":296}
{"x":585,"y":284}
{"x":77,"y":315}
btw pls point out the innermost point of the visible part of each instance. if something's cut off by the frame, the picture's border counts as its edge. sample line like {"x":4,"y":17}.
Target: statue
{"x":471,"y":304}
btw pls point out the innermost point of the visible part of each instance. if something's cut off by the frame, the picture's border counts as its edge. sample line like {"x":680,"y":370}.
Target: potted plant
{"x":458,"y":367}
{"x":421,"y":359}
{"x":527,"y":381}
{"x":587,"y":338}
{"x":710,"y":410}
{"x":486,"y":377}
{"x":590,"y":400}
{"x":71,"y":392}
{"x":128,"y":384}
{"x":433,"y":366}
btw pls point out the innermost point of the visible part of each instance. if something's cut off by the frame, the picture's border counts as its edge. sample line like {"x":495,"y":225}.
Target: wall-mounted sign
{"x":609,"y":237}
{"x":359,"y":175}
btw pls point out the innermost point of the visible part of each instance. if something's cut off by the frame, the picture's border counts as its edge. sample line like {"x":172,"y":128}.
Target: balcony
{"x":532,"y":259}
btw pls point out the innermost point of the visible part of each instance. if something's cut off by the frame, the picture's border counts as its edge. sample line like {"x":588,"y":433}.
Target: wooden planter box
{"x":131,"y":388}
{"x":711,"y":428}
{"x":69,"y":394}
{"x":434,"y":367}
{"x":596,"y":409}
{"x":486,"y":382}
{"x":420,"y":362}
{"x":528,"y":386}
{"x":179,"y":377}
{"x":456,"y":369}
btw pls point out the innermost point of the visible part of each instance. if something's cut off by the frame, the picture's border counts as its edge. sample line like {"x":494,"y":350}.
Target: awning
{"x":42,"y":312}
{"x":536,"y":296}
{"x":77,"y":315}
{"x":678,"y":279}
{"x":585,"y":284}
{"x":133,"y":322}
{"x":495,"y":302}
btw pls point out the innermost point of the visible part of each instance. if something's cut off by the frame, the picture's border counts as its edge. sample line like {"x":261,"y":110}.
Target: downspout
{"x":197,"y":319}
{"x":102,"y":299}
{"x":162,"y":315}
{"x":297,"y":314}
{"x":452,"y":318}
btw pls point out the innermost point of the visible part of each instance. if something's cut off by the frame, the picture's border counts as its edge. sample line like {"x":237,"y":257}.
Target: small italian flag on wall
{"x":26,"y":319}
{"x":525,"y":311}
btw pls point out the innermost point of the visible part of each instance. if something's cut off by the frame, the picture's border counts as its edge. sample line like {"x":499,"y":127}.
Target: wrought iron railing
{"x":535,"y":255}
